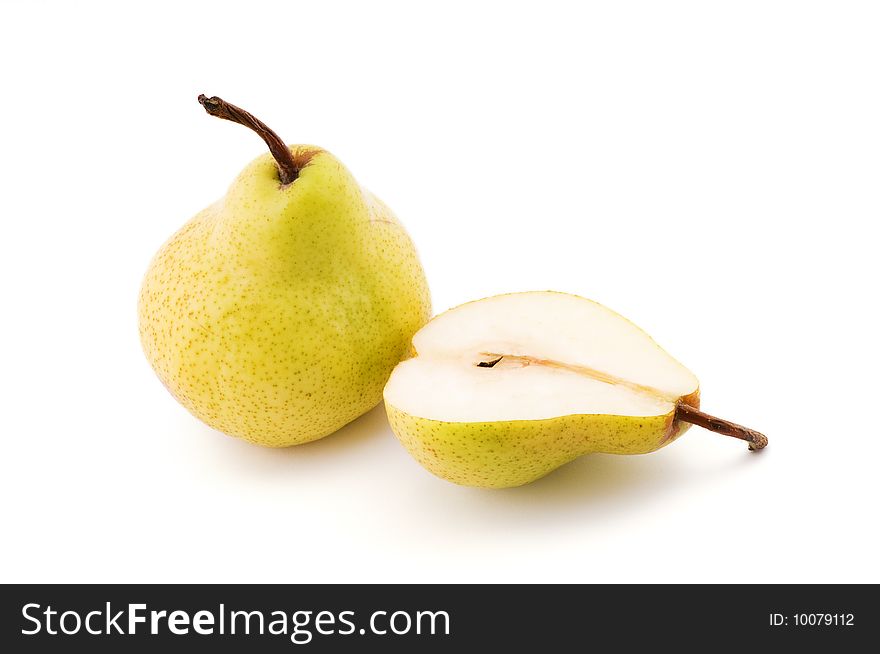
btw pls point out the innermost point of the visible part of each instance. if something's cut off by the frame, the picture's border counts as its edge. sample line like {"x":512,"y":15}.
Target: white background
{"x":709,"y":170}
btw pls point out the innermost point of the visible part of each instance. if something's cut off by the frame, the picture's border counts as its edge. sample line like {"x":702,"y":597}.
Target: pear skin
{"x":501,"y":454}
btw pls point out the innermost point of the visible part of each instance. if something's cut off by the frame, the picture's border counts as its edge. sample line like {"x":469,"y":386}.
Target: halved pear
{"x":506,"y":389}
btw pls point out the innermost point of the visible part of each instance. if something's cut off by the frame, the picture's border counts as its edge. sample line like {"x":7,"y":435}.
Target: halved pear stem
{"x":288,"y":171}
{"x":756,"y":440}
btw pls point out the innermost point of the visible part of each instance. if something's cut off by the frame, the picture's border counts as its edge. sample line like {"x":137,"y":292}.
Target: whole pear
{"x":277,"y":313}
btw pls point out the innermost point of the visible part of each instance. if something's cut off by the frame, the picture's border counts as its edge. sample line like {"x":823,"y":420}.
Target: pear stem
{"x":756,"y":440}
{"x":288,"y":171}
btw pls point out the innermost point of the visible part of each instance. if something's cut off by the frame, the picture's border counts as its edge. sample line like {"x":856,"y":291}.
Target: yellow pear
{"x":277,"y":313}
{"x":506,"y":389}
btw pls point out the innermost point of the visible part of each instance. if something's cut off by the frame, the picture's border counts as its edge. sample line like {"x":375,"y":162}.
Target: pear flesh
{"x":506,"y":389}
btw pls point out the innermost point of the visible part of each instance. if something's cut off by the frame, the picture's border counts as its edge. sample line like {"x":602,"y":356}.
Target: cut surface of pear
{"x":504,"y":390}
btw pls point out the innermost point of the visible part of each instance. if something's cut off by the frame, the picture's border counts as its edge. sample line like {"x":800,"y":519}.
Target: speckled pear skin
{"x":278,"y":313}
{"x":512,"y":453}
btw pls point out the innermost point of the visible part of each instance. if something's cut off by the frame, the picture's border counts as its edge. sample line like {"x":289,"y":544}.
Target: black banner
{"x":318,"y":618}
